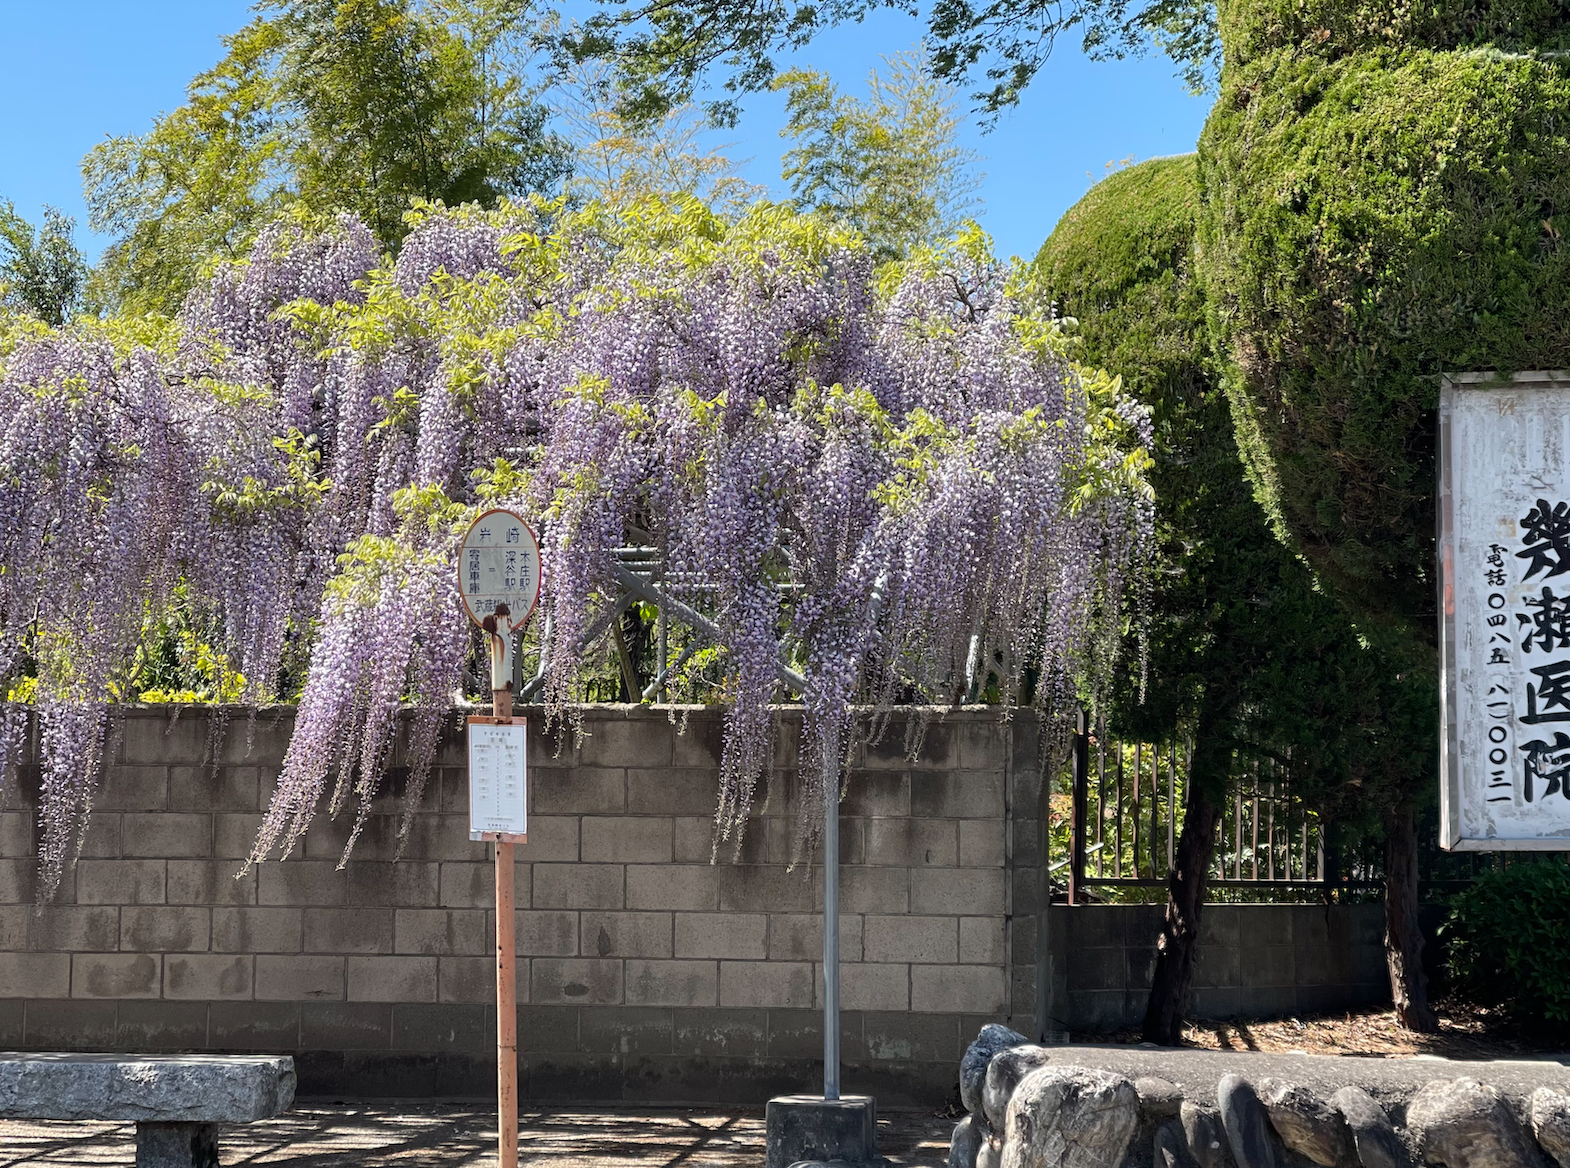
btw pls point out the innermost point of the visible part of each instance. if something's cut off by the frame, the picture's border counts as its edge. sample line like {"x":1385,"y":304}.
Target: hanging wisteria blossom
{"x":855,"y":479}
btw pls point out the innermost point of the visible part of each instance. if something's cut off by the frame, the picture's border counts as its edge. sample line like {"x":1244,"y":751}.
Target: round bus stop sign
{"x":499,"y":563}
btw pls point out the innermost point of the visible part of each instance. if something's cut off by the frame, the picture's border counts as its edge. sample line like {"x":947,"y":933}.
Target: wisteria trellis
{"x":296,"y":453}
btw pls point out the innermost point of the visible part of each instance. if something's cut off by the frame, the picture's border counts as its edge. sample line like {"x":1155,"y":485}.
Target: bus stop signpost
{"x":499,"y":576}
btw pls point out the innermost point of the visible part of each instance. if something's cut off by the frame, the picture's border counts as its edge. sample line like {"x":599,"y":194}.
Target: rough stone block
{"x":299,"y":978}
{"x":741,"y":936}
{"x":981,"y":843}
{"x":209,"y":977}
{"x":873,"y":890}
{"x":876,"y":793}
{"x":115,"y":975}
{"x":120,"y":882}
{"x":391,"y":979}
{"x":636,"y":1030}
{"x":913,"y":843}
{"x":257,"y":930}
{"x":611,"y":740}
{"x":443,"y":1027}
{"x":930,"y":940}
{"x":774,"y":983}
{"x":625,"y":934}
{"x":145,"y":1027}
{"x":956,"y":989}
{"x":474,"y":885}
{"x":691,"y":887}
{"x":543,"y":933}
{"x":720,"y":1033}
{"x":575,"y":980}
{"x":671,"y":983}
{"x":435,"y":931}
{"x":627,"y":839}
{"x":809,"y":1127}
{"x":868,"y":986}
{"x":799,"y":937}
{"x":767,"y":888}
{"x":580,"y":790}
{"x":554,"y":837}
{"x":579,"y":886}
{"x":234,"y":834}
{"x":253,"y":1026}
{"x":35,"y":975}
{"x":466,"y":979}
{"x":406,"y":884}
{"x":302,"y":882}
{"x":197,"y":788}
{"x":133,"y":788}
{"x":162,"y":929}
{"x":944,"y":794}
{"x":971,"y":891}
{"x":16,"y":835}
{"x":345,"y":1026}
{"x":72,"y":1025}
{"x":981,"y":940}
{"x":209,"y":882}
{"x":72,"y":928}
{"x":185,"y":1088}
{"x":348,"y":930}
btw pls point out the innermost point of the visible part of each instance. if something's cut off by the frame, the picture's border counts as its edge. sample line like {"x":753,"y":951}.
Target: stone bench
{"x":176,"y":1101}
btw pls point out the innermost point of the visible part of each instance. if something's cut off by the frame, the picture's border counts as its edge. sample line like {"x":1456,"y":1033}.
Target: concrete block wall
{"x":644,"y":970}
{"x":1255,"y":961}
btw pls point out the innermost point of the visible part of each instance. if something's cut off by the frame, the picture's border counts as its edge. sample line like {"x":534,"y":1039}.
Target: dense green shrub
{"x":1508,"y":936}
{"x":1243,"y":646}
{"x":1371,"y":222}
{"x":1334,"y":28}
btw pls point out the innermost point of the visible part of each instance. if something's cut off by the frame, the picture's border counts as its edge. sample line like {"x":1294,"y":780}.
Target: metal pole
{"x":1081,"y":780}
{"x":831,"y":938}
{"x":506,"y":989}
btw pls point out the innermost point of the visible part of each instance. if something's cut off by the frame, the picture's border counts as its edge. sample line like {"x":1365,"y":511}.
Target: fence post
{"x":1076,"y":868}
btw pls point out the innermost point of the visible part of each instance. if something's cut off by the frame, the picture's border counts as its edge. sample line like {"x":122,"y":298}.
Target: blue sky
{"x":74,"y":71}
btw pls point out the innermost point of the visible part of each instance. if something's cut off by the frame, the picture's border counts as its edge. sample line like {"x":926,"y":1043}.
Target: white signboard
{"x":1504,"y":556}
{"x":498,"y":779}
{"x":499,"y":563}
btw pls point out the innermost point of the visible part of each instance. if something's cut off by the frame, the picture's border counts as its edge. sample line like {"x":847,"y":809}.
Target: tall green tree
{"x":359,"y":105}
{"x":889,"y":164}
{"x":616,"y":160}
{"x":41,"y":271}
{"x":1246,"y":653}
{"x":666,"y":50}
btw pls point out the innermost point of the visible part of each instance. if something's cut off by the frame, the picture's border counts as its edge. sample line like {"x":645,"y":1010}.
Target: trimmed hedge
{"x":1241,"y":640}
{"x":1370,"y":222}
{"x":1507,"y":937}
{"x":1334,"y":28}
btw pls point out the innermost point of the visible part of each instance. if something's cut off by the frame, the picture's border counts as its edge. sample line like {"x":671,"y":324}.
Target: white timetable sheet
{"x":498,"y":779}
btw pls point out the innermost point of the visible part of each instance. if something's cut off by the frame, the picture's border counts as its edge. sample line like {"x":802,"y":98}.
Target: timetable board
{"x":498,"y":779}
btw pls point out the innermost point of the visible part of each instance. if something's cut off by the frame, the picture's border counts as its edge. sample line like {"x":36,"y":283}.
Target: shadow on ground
{"x":424,"y":1134}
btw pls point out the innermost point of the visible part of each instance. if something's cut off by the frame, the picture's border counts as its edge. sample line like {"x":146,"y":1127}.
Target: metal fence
{"x":1126,"y":815}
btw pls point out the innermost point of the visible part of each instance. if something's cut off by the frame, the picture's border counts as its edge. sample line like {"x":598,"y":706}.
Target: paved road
{"x":1387,"y":1079}
{"x":422,"y":1134}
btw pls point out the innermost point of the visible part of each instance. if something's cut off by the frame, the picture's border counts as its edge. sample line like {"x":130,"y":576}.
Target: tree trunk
{"x":1177,"y":947}
{"x":1403,"y":933}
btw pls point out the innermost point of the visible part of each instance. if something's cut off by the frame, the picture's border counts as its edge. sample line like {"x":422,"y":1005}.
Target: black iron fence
{"x":1125,"y":812}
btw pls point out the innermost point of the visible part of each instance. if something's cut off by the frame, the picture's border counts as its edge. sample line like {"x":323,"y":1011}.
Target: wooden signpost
{"x":499,"y":575}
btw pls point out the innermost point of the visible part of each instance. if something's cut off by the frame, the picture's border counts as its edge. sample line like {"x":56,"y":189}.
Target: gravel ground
{"x":423,"y":1134}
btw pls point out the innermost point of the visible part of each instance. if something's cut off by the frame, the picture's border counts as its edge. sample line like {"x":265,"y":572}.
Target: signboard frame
{"x":518,"y":619}
{"x":507,"y":837}
{"x":1453,"y":793}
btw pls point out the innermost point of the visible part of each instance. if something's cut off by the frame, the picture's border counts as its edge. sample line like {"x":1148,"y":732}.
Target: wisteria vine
{"x":865,"y":475}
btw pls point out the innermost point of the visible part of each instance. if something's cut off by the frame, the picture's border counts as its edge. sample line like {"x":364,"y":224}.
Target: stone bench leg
{"x":176,"y":1145}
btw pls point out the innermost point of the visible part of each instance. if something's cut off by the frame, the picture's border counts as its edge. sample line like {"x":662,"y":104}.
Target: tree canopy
{"x":358,"y":105}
